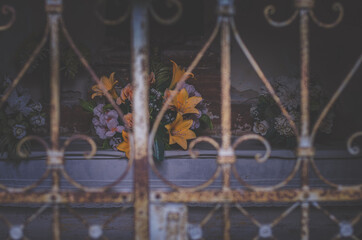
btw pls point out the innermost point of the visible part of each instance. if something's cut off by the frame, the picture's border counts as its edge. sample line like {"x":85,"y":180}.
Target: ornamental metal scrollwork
{"x":270,"y":10}
{"x":258,"y":157}
{"x":353,"y":149}
{"x":114,"y":22}
{"x":172,"y":19}
{"x":8,"y":10}
{"x":336,"y":7}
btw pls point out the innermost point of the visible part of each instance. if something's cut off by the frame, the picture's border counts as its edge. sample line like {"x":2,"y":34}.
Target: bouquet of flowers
{"x":185,"y":117}
{"x":19,"y":117}
{"x":268,"y":120}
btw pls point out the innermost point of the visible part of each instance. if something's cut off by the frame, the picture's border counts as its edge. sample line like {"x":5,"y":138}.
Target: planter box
{"x":337,"y":165}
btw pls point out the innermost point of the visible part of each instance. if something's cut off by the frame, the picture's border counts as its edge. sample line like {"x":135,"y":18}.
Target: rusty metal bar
{"x":226,"y":155}
{"x":233,"y":196}
{"x":304,"y":231}
{"x":305,"y":149}
{"x":140,"y":45}
{"x":66,"y":197}
{"x":211,"y":196}
{"x":54,"y":9}
{"x":304,"y":51}
{"x":227,"y":223}
{"x":54,"y":78}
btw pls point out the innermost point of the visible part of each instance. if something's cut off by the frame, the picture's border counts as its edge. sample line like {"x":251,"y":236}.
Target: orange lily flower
{"x":126,"y":93}
{"x":177,"y":74}
{"x":183,"y":104}
{"x":124,"y":146}
{"x":108,"y":84}
{"x":128,"y":118}
{"x":179,"y":131}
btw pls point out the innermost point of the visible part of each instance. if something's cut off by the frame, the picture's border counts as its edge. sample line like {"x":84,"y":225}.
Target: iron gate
{"x":146,"y":202}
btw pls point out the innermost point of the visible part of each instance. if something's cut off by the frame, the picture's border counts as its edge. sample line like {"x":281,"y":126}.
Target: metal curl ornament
{"x":6,"y":10}
{"x":270,"y":10}
{"x":88,"y":139}
{"x":354,"y":150}
{"x":115,"y":22}
{"x":171,"y":20}
{"x":19,"y":150}
{"x":258,"y":157}
{"x":195,"y":154}
{"x":90,"y":155}
{"x":337,"y":7}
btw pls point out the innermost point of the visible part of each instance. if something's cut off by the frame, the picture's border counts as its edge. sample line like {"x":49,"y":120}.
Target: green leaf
{"x":86,"y":105}
{"x":158,"y":150}
{"x":106,"y":145}
{"x":107,"y":107}
{"x":206,"y":119}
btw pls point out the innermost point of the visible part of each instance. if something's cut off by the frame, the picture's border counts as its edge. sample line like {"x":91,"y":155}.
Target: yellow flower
{"x":179,"y":131}
{"x":177,"y":74}
{"x":108,"y":84}
{"x":183,"y":104}
{"x":124,"y":146}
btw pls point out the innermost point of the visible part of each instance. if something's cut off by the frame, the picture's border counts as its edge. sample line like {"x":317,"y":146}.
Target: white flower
{"x":19,"y":131}
{"x":287,"y":89}
{"x":283,"y":127}
{"x":254,"y":111}
{"x":261,"y":127}
{"x":37,"y":121}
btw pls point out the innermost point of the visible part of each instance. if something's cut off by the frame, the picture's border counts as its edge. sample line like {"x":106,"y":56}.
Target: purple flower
{"x":191,"y":90}
{"x":106,"y":123}
{"x":19,"y":131}
{"x":37,"y":120}
{"x":98,"y":110}
{"x":101,"y":132}
{"x":18,"y":103}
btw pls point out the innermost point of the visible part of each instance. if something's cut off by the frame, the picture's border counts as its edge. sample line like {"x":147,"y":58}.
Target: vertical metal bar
{"x":227,"y":222}
{"x":54,"y":80}
{"x":226,"y":150}
{"x":56,"y":223}
{"x":304,"y":231}
{"x":54,"y":9}
{"x":304,"y":51}
{"x":305,"y":148}
{"x":140,"y":71}
{"x":225,"y":84}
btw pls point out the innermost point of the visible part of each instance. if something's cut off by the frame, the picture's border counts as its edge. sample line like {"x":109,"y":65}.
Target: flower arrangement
{"x":183,"y":120}
{"x":268,"y":120}
{"x":19,"y":117}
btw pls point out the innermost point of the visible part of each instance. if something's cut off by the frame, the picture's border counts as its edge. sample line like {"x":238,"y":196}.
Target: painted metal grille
{"x":301,"y":199}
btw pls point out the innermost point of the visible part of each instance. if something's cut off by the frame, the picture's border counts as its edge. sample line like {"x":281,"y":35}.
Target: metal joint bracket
{"x":306,"y":152}
{"x":226,"y":8}
{"x":305,"y":148}
{"x":54,"y":6}
{"x":55,"y":159}
{"x":304,"y":4}
{"x":226,"y":156}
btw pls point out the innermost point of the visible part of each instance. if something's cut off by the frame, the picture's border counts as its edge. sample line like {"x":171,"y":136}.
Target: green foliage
{"x":86,"y":105}
{"x":206,"y":120}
